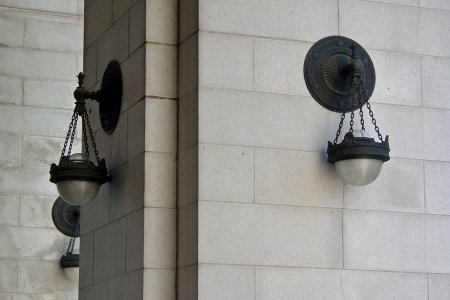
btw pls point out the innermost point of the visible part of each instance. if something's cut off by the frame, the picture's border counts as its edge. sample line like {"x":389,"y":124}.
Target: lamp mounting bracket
{"x":329,"y":68}
{"x":66,"y":217}
{"x":109,"y":96}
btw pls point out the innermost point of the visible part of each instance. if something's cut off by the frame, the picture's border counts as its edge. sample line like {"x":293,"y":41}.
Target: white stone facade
{"x":40,"y":55}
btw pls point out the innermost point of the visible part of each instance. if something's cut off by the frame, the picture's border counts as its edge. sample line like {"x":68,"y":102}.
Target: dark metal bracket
{"x":329,"y":67}
{"x":109,"y":96}
{"x":66,"y":217}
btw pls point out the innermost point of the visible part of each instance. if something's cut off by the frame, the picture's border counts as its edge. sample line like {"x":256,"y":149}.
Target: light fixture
{"x":77,"y":177}
{"x":66,"y":218}
{"x":340,"y":76}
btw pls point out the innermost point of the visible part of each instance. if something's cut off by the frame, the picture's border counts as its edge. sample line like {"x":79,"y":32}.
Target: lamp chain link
{"x":94,"y":145}
{"x":352,"y":116}
{"x":374,"y":122}
{"x":70,"y":134}
{"x":339,"y":128}
{"x":86,"y":145}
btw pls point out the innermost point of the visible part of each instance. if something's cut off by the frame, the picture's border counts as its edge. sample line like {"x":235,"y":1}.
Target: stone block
{"x":285,"y":19}
{"x":405,"y":20}
{"x":46,"y":64}
{"x":109,"y":251}
{"x":36,"y":178}
{"x":47,"y":296}
{"x":188,"y":235}
{"x":160,"y":238}
{"x":86,"y":260}
{"x":98,"y":17}
{"x":225,"y":61}
{"x":11,"y":31}
{"x":10,"y":147}
{"x":188,"y":121}
{"x":275,"y":121}
{"x":405,"y":126}
{"x":43,"y":277}
{"x":120,"y":7}
{"x":439,"y":286}
{"x":436,"y":147}
{"x":35,"y":211}
{"x":133,"y":79}
{"x":226,"y":282}
{"x":95,"y":214}
{"x":188,"y":66}
{"x":45,"y":150}
{"x":112,"y":45}
{"x":400,"y":187}
{"x":435,"y":82}
{"x":137,"y":19}
{"x":129,"y":286}
{"x":370,"y":285}
{"x":161,"y":125}
{"x":433,"y":29}
{"x":127,"y":188}
{"x":400,"y":2}
{"x":8,"y":276}
{"x":161,"y":71}
{"x":53,"y":36}
{"x":398,"y":78}
{"x":299,"y":284}
{"x":296,"y":178}
{"x":438,"y":4}
{"x":10,"y":212}
{"x":135,"y":241}
{"x":226,"y":173}
{"x":269,"y":235}
{"x":136,"y":129}
{"x":90,"y":66}
{"x":12,"y":90}
{"x":60,"y":6}
{"x":278,"y":66}
{"x":385,"y":241}
{"x":159,"y":284}
{"x":188,"y":283}
{"x":437,"y":188}
{"x":119,"y":142}
{"x":34,"y":120}
{"x":438,"y":256}
{"x":95,"y":292}
{"x":34,"y":243}
{"x":162,"y":21}
{"x":188,"y":176}
{"x":50,"y":93}
{"x":188,"y":18}
{"x":160,"y":180}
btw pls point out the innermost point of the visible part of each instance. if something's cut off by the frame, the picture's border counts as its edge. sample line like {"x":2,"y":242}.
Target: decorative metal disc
{"x":325,"y":75}
{"x":65,"y":217}
{"x":111,"y":97}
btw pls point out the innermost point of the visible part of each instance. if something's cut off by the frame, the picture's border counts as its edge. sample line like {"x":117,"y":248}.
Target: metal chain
{"x":339,"y":128}
{"x":74,"y":117}
{"x":73,"y":135}
{"x":374,"y":122}
{"x":361,"y":114}
{"x":94,"y":145}
{"x":86,"y":145}
{"x":352,"y":116}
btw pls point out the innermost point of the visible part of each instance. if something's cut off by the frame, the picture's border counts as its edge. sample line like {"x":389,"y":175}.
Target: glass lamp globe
{"x":359,"y":171}
{"x":72,"y":273}
{"x":78,"y":192}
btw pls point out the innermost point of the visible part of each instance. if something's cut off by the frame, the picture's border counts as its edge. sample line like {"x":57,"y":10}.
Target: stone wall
{"x":128,"y":243}
{"x":40,"y":54}
{"x":261,"y":213}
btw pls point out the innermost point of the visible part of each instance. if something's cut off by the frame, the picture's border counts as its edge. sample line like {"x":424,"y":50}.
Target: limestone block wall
{"x":261,"y":213}
{"x":40,"y":54}
{"x":128,"y":243}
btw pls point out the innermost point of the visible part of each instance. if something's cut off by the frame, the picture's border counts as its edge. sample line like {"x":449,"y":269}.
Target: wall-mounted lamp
{"x":340,"y":76}
{"x":66,"y":218}
{"x":77,"y":178}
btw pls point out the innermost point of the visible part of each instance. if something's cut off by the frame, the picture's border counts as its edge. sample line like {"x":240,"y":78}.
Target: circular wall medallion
{"x":326,"y":77}
{"x":110,"y":97}
{"x":66,"y":217}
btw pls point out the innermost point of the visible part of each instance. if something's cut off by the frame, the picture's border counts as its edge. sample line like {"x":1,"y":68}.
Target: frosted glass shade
{"x":78,"y":192}
{"x":359,"y":171}
{"x":72,"y":273}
